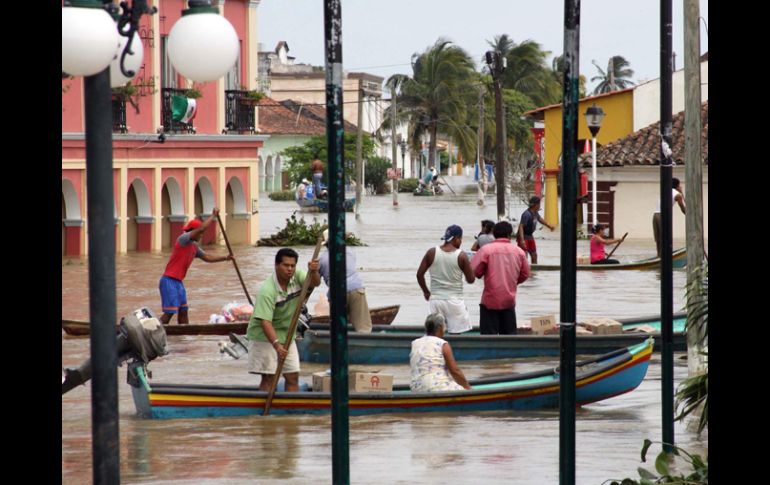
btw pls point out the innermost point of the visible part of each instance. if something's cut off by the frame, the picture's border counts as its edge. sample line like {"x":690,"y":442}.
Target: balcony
{"x":239,"y":112}
{"x":169,"y":124}
{"x":119,"y":115}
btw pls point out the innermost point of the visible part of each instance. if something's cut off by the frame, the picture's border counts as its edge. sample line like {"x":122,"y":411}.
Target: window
{"x":168,"y":73}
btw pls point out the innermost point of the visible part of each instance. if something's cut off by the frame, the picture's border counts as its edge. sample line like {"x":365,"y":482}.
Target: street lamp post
{"x":594,"y":116}
{"x":497,"y":63}
{"x":90,"y":44}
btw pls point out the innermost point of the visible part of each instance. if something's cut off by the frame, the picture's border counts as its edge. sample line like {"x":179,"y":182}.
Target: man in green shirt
{"x":277,"y":299}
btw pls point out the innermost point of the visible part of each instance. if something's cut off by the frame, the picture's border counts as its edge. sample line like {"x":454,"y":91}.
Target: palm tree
{"x":617,"y":76}
{"x":557,"y":66}
{"x":527,"y":70}
{"x":436,"y":97}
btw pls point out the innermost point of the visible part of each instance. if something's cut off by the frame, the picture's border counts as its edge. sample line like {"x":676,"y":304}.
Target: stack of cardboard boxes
{"x":358,"y":381}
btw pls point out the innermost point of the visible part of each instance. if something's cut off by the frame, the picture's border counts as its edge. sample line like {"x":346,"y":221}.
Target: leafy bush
{"x":300,"y":158}
{"x":376,"y":174}
{"x":282,"y":195}
{"x":407,"y":185}
{"x":300,"y":233}
{"x":699,"y":476}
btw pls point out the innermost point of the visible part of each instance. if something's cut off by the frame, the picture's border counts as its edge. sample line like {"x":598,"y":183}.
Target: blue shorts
{"x":173,"y":296}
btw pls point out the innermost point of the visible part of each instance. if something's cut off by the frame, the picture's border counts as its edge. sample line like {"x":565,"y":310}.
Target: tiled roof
{"x":293,"y":118}
{"x":643,"y":146}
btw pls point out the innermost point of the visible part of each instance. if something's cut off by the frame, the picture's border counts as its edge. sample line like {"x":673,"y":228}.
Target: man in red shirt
{"x":172,"y":293}
{"x":504,"y":266}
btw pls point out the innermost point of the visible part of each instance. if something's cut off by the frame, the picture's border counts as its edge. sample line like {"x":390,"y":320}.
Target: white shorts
{"x":263,"y":359}
{"x":455,"y":312}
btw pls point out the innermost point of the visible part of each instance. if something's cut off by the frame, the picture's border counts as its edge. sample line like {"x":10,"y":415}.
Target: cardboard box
{"x":583,"y":259}
{"x":642,"y":328}
{"x":541,"y":324}
{"x":603,"y":326}
{"x":370,"y":382}
{"x":581,"y":330}
{"x":322,"y":382}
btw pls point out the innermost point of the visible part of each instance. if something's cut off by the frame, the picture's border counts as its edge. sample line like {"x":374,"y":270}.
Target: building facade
{"x":165,"y":171}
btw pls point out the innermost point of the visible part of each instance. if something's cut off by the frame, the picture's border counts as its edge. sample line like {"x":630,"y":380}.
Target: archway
{"x":261,"y":173}
{"x":172,"y":212}
{"x":269,"y":174}
{"x":204,"y":204}
{"x":278,"y":180}
{"x":72,"y":222}
{"x":237,"y":216}
{"x":139,"y":217}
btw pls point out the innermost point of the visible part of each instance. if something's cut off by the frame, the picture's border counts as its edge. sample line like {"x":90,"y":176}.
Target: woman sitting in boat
{"x":598,"y":256}
{"x":433,"y":366}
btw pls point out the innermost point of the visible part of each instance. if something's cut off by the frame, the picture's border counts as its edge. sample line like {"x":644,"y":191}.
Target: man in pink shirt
{"x":503,"y":265}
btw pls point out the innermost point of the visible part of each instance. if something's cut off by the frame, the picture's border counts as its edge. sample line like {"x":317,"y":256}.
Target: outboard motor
{"x":141,"y":338}
{"x":238,"y":346}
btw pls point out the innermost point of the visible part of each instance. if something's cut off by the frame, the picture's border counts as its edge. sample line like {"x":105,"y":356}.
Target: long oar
{"x":616,"y":246}
{"x":450,"y":187}
{"x":235,"y":263}
{"x":292,"y":328}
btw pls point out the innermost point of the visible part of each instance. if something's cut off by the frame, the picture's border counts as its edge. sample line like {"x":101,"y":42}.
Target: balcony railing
{"x":239,"y":112}
{"x":119,"y":115}
{"x":169,"y":124}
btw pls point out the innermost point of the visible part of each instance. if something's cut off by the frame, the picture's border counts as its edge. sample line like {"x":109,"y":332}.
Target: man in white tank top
{"x":447,"y":264}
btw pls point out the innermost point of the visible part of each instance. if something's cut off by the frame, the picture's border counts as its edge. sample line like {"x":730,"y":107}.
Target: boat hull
{"x":679,"y":258}
{"x":615,"y":373}
{"x":392,"y":346}
{"x":380,"y":316}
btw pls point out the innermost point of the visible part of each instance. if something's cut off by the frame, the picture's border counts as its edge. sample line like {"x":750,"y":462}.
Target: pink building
{"x":210,"y":161}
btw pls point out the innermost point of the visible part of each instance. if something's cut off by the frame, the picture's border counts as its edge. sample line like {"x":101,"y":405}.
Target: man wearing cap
{"x":172,"y":293}
{"x":358,"y":308}
{"x":504,"y":266}
{"x":447,"y":264}
{"x":277,"y":299}
{"x":527,"y":226}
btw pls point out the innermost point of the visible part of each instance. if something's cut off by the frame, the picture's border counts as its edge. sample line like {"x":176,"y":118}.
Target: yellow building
{"x":618,"y":107}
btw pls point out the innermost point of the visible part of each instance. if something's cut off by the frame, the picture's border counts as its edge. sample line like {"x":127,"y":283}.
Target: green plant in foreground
{"x":699,"y":475}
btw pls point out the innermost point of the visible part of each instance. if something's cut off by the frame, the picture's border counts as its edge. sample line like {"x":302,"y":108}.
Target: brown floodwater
{"x":481,"y":447}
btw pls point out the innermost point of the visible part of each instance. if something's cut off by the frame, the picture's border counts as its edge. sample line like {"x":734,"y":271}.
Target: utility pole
{"x":394,"y":143}
{"x":337,"y":261}
{"x":497,"y":63}
{"x":693,"y":170}
{"x":359,"y":150}
{"x":482,"y":167}
{"x":666,"y":245}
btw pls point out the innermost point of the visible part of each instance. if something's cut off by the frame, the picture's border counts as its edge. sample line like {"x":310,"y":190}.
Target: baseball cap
{"x":193,"y":224}
{"x":452,"y":232}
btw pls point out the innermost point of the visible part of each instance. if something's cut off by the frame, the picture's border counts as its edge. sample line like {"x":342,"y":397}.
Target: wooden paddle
{"x":292,"y":328}
{"x":235,"y":263}
{"x":450,"y":187}
{"x":616,"y":246}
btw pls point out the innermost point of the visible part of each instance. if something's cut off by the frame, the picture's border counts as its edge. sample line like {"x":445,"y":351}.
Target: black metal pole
{"x":101,"y":279}
{"x":666,"y":244}
{"x":568,"y":244}
{"x":500,"y":135}
{"x":337,"y":260}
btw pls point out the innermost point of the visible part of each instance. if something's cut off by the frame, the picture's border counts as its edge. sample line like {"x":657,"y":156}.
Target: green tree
{"x":616,"y":77}
{"x":557,"y":66}
{"x":527,"y":70}
{"x":300,"y":157}
{"x":436,"y":97}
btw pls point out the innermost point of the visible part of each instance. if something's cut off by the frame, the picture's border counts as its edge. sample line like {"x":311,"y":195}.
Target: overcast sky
{"x":380,"y":36}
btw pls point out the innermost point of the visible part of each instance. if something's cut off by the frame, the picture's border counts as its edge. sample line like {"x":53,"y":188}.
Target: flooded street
{"x":483,"y":447}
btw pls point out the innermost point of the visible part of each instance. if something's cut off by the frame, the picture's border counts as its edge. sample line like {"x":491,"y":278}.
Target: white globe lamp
{"x":89,"y":38}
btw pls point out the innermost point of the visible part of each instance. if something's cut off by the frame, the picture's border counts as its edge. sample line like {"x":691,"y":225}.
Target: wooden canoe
{"x":322,"y":205}
{"x":597,"y":379}
{"x":380,"y":316}
{"x":679,"y":261}
{"x":391,"y":345}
